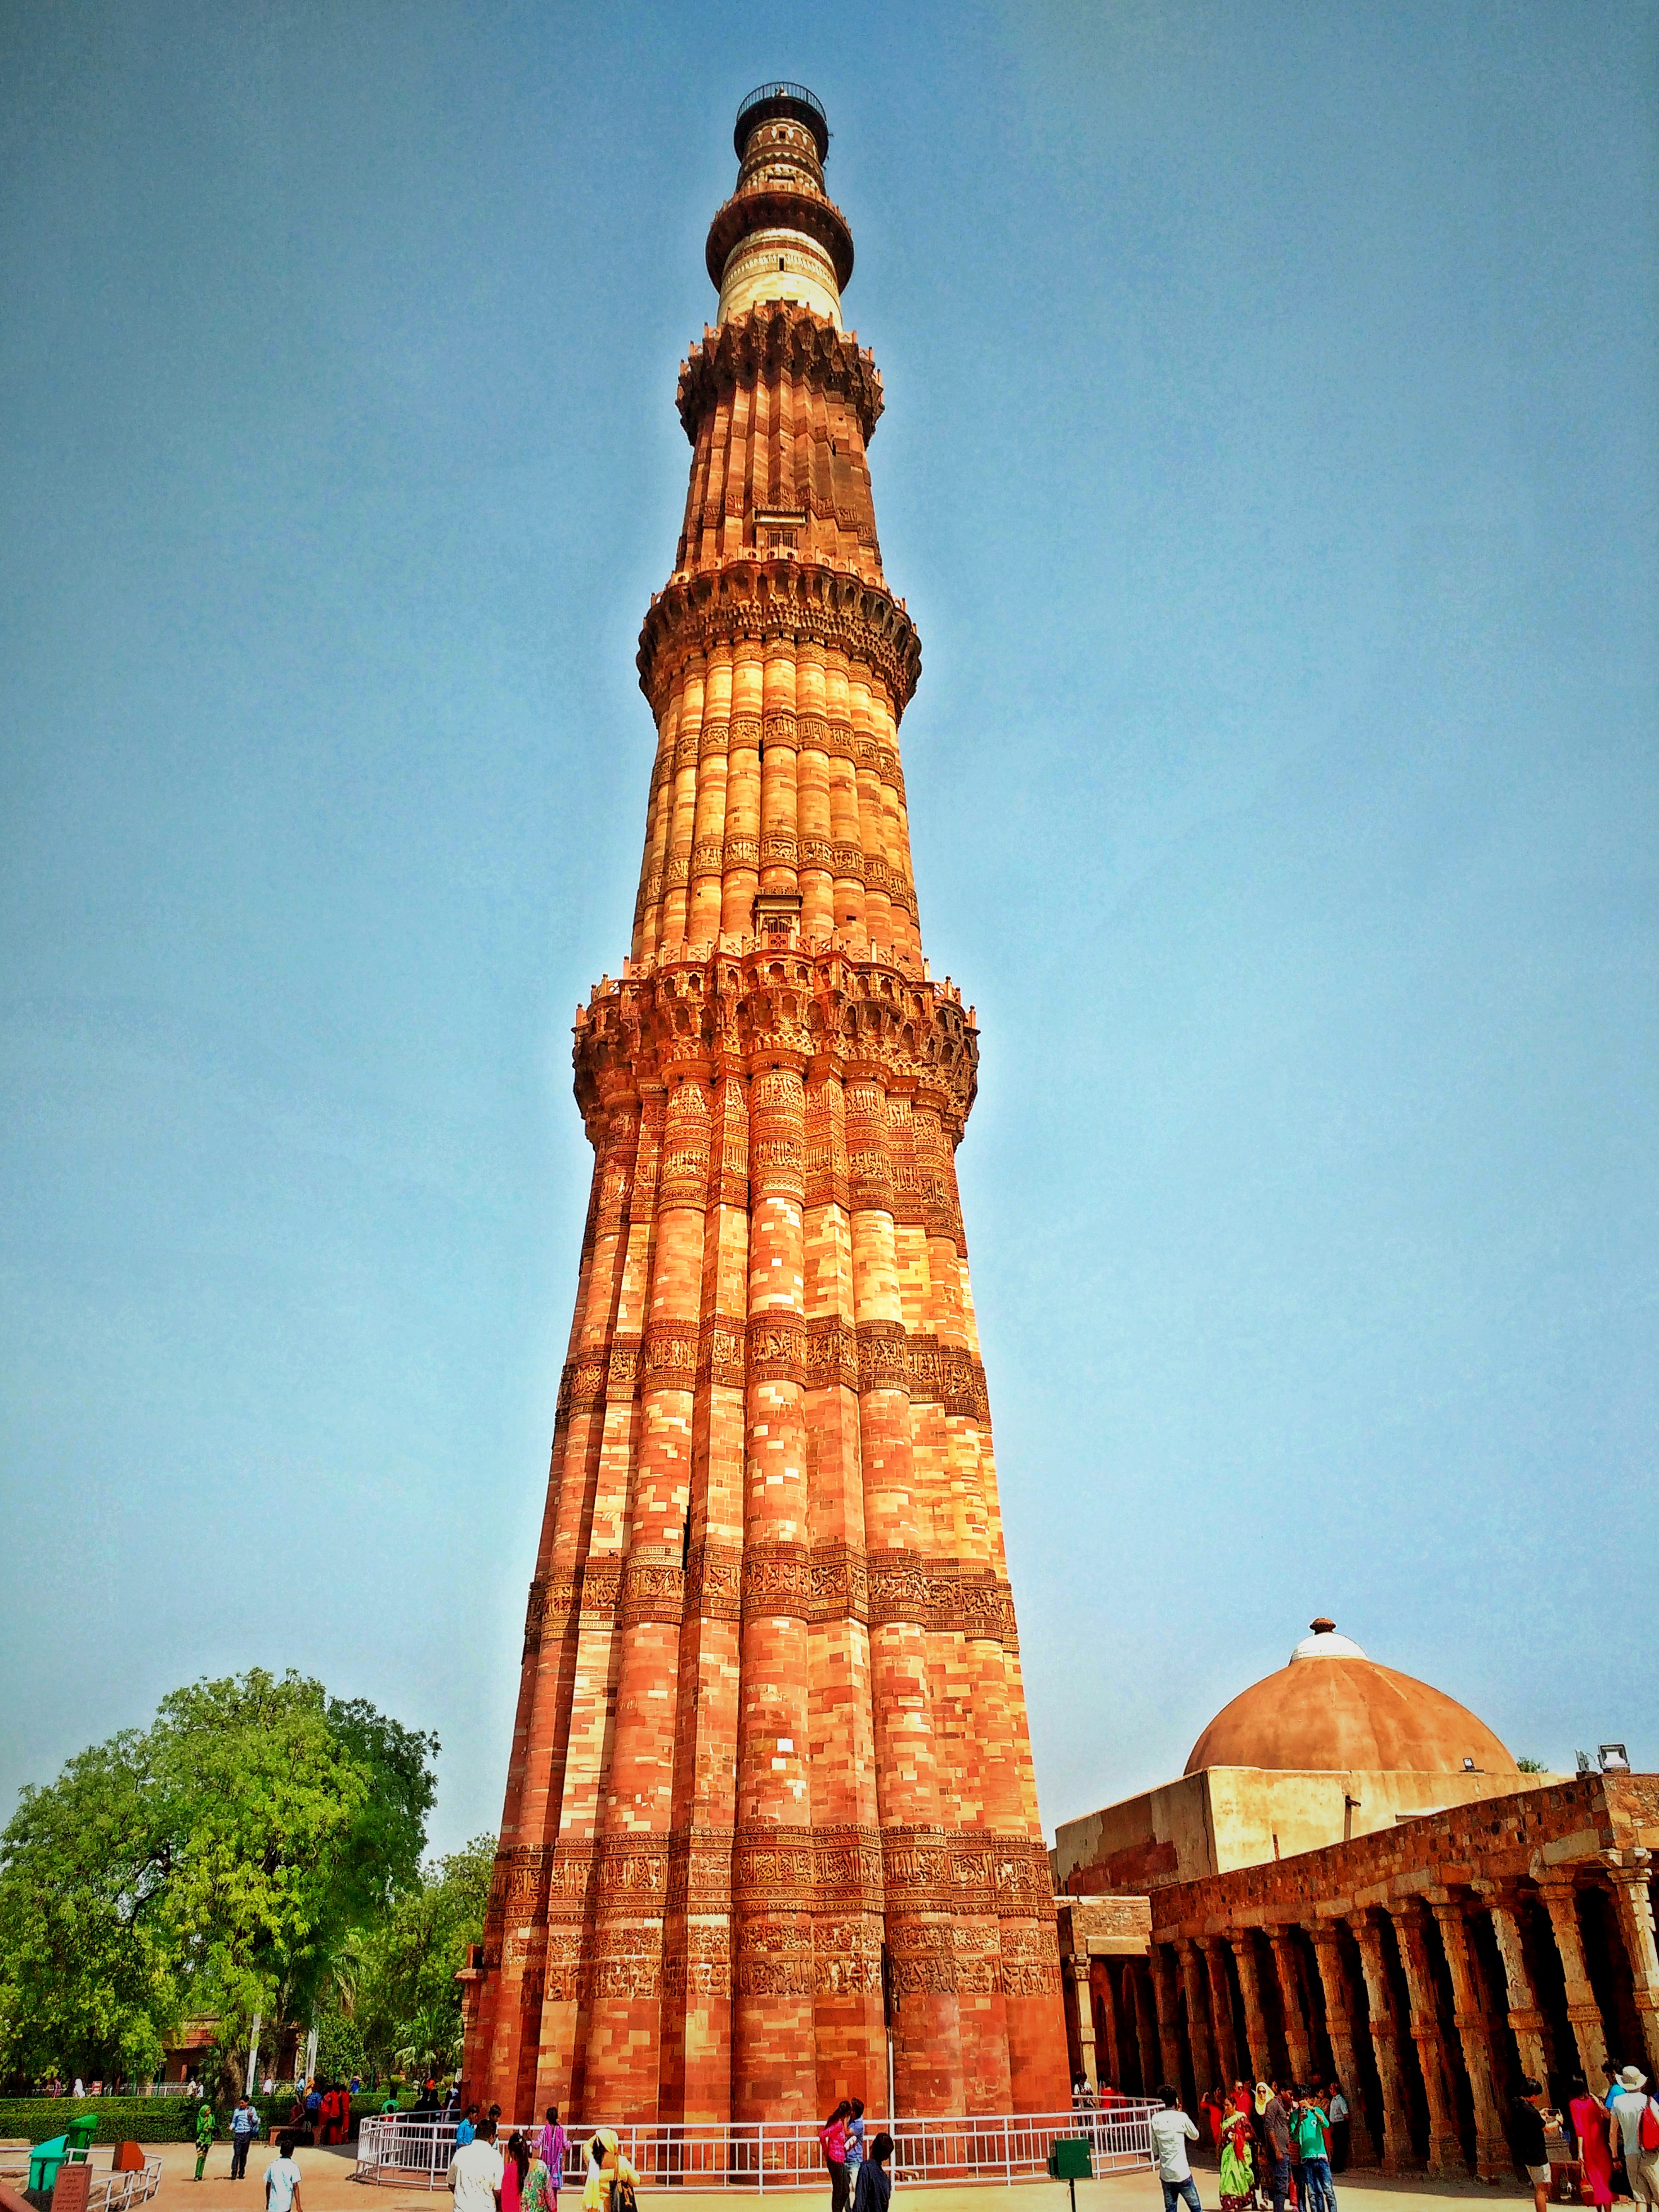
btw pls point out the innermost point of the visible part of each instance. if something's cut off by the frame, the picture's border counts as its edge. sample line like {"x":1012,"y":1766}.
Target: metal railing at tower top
{"x":763,"y":2154}
{"x":767,"y":100}
{"x":781,"y":91}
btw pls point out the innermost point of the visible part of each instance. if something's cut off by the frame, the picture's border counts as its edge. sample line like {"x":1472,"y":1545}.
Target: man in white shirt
{"x":476,"y":2171}
{"x":1627,"y":2108}
{"x":283,"y":2178}
{"x":1336,"y":2105}
{"x":1172,"y":2133}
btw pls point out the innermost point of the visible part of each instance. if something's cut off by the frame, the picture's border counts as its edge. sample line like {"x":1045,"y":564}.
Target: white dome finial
{"x":1325,"y":1642}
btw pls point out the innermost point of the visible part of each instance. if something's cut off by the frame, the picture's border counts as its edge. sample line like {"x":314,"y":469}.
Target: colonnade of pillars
{"x":1427,"y":2009}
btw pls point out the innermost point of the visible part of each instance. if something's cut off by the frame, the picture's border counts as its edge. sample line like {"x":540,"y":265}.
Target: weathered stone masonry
{"x":770,"y":1789}
{"x":1426,"y":1966}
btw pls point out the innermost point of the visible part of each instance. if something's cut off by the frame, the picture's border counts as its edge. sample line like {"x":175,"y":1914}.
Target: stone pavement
{"x":329,"y":2186}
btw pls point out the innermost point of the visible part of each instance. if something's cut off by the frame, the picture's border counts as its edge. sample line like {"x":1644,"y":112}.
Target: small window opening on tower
{"x":779,"y":264}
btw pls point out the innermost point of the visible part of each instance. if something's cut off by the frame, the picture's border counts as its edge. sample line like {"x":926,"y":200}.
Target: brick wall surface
{"x":770,"y":1796}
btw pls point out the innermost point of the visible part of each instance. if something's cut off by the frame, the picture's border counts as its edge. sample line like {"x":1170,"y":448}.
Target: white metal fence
{"x":119,"y":2192}
{"x":764,"y":2155}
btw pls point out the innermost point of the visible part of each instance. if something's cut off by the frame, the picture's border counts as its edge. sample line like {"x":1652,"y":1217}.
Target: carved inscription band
{"x":724,"y":1581}
{"x":898,"y":1873}
{"x":816,"y":1354}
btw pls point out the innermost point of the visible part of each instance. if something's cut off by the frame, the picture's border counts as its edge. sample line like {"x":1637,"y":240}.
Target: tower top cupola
{"x":780,"y":236}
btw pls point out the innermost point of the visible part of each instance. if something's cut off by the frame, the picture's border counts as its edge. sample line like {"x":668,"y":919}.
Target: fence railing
{"x":763,"y":2154}
{"x":119,"y":2192}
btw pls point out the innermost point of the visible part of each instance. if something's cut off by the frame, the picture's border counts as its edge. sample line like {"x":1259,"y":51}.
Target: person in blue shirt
{"x":468,"y":2127}
{"x":854,"y":2148}
{"x":244,"y":2130}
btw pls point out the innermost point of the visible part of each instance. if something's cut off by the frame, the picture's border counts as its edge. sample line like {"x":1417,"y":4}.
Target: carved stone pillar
{"x":1531,"y":2029}
{"x":1198,"y":2016}
{"x":1139,"y":1976}
{"x":1299,"y":2040}
{"x":1339,"y":2025}
{"x":1169,"y":2018}
{"x":1079,"y":2003}
{"x":1582,"y":2008}
{"x":1255,"y":2019}
{"x":1492,"y":2150}
{"x":1221,"y":2009}
{"x":1101,"y":1989}
{"x":1627,"y":1878}
{"x":1385,"y":2043}
{"x":1446,"y":2149}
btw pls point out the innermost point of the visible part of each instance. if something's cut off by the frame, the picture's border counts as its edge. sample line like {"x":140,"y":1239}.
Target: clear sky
{"x":1270,"y":464}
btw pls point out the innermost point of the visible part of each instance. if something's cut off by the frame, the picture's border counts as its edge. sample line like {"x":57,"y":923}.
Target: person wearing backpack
{"x":1636,"y":2124}
{"x":611,"y":2180}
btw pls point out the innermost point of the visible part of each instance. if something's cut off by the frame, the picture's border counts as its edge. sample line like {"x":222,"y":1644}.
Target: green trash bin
{"x":69,"y":2149}
{"x":44,"y":2160}
{"x":1071,"y":2161}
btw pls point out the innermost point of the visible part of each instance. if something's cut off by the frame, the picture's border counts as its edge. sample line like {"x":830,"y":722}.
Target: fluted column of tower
{"x":770,"y":1805}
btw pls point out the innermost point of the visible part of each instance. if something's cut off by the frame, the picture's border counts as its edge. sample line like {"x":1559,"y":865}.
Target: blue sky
{"x":1270,"y":464}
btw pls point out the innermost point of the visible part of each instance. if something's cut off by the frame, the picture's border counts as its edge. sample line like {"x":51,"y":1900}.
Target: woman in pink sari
{"x":514,"y":2166}
{"x":1589,"y":2117}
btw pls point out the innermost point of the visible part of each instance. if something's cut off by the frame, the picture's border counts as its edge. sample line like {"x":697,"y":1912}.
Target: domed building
{"x":1354,"y":1881}
{"x":1332,"y":1746}
{"x":1330,"y":1709}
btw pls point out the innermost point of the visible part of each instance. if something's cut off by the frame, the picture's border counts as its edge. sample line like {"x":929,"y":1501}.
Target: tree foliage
{"x":407,"y":1993}
{"x":218,"y":1863}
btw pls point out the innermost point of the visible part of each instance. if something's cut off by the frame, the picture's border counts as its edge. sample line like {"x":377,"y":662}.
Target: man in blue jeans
{"x":1276,"y":2127}
{"x":243,"y":2131}
{"x":1171,"y":2132}
{"x":1313,"y":2139}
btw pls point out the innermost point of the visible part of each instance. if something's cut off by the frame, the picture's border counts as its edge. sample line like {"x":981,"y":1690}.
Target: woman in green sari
{"x":1237,"y":2167}
{"x":533,"y":2190}
{"x":206,"y":2127}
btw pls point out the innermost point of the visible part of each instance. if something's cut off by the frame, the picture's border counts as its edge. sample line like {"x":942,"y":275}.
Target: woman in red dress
{"x":1588,"y":2116}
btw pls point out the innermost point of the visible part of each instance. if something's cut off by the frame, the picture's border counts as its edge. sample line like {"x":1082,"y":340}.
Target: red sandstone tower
{"x":771,"y":1795}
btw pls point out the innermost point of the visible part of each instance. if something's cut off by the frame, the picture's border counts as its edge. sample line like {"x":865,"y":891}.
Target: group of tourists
{"x":525,"y":2177}
{"x":1614,"y":2137}
{"x":1275,"y":2142}
{"x":856,"y":2176}
{"x":1225,"y":2110}
{"x":1279,"y":2143}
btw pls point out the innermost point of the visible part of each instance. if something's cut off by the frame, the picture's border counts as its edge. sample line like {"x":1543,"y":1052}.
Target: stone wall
{"x":1226,"y":1817}
{"x":1427,"y":1966}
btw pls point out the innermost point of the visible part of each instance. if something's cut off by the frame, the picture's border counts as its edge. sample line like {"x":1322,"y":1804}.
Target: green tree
{"x":216,"y":1864}
{"x":411,"y":1959}
{"x":432,"y":2041}
{"x":1532,"y":1767}
{"x":91,"y":1968}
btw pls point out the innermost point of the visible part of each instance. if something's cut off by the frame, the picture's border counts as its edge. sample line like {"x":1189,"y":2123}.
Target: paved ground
{"x":330,"y":2187}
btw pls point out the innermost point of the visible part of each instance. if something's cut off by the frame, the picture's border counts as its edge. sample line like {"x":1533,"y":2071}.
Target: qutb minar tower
{"x":771,"y":1798}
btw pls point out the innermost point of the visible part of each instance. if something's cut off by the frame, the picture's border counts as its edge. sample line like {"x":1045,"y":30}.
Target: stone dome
{"x":1331,"y":1710}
